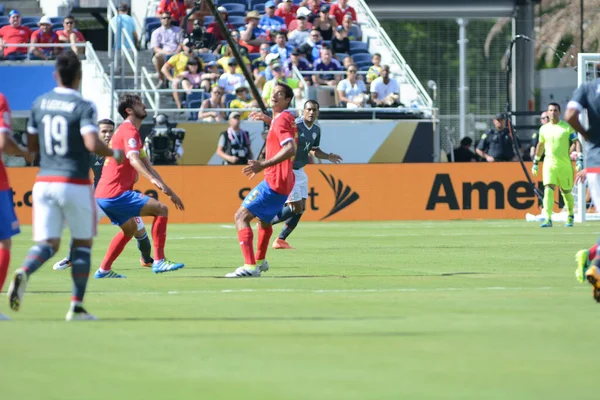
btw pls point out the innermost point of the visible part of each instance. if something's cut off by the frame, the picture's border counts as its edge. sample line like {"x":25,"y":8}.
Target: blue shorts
{"x":122,"y":208}
{"x":264,"y":202}
{"x":9,"y":224}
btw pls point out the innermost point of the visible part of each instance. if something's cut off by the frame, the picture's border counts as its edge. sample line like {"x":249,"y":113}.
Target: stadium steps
{"x":25,"y":7}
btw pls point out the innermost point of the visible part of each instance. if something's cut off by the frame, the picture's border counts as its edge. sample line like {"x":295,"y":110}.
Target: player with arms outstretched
{"x":587,"y":97}
{"x":106,"y":129}
{"x":269,"y":196}
{"x":62,"y":128}
{"x":309,"y":139}
{"x":115,"y":195}
{"x":555,"y":140}
{"x":9,"y":225}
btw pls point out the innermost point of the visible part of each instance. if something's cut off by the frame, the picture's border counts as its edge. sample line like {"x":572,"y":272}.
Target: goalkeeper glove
{"x":534,"y":169}
{"x":579,"y":162}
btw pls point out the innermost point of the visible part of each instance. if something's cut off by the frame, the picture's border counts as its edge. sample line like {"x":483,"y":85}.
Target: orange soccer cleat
{"x":146,"y":264}
{"x":282,"y":244}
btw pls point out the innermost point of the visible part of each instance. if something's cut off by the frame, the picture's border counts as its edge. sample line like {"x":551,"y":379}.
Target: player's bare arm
{"x":572,"y":117}
{"x":539,"y":150}
{"x":320,"y":154}
{"x":94,"y":145}
{"x":138,"y":164}
{"x":9,"y":146}
{"x":169,"y":192}
{"x":258,"y":116}
{"x":287,"y":151}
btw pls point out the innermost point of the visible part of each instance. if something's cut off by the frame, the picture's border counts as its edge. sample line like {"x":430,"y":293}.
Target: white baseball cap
{"x":222,"y":9}
{"x":303,"y":12}
{"x":270,"y":57}
{"x":45,"y":20}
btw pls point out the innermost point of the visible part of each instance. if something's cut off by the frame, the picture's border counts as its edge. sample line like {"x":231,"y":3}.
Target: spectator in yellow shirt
{"x":243,"y":100}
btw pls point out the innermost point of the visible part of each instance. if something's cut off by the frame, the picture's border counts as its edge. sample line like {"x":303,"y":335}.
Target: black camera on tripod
{"x":164,"y":144}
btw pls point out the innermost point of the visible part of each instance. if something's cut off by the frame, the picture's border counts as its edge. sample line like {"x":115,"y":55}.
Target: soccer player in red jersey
{"x":9,"y":225}
{"x":115,"y":195}
{"x":267,"y":199}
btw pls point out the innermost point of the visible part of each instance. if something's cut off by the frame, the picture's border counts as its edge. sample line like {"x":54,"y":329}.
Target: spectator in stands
{"x":340,"y":43}
{"x":243,"y":100}
{"x":234,"y":144}
{"x":46,"y":36}
{"x":463,"y":153}
{"x":191,"y":78}
{"x":301,"y":64}
{"x":314,"y":6}
{"x":287,"y":10}
{"x":165,"y":41}
{"x":270,"y":22}
{"x":346,"y":61}
{"x":124,"y":21}
{"x":242,"y":46}
{"x":496,"y":145}
{"x":178,"y":63}
{"x":176,"y":8}
{"x":302,"y":12}
{"x":211,"y":74}
{"x":223,"y":62}
{"x":216,"y":100}
{"x":260,"y":64}
{"x":354,"y":32}
{"x":312,"y":47}
{"x":71,"y":35}
{"x":351,"y":91}
{"x":14,"y":33}
{"x":266,"y":74}
{"x":230,"y":79}
{"x":340,"y":9}
{"x":279,"y":76}
{"x":385,"y":92}
{"x":282,"y":48}
{"x":299,"y":35}
{"x":375,"y":69}
{"x":324,"y":24}
{"x":214,"y":27}
{"x":251,"y":33}
{"x":204,"y":41}
{"x":326,"y":63}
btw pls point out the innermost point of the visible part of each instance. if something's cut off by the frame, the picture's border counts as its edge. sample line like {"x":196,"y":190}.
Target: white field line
{"x":325,"y":291}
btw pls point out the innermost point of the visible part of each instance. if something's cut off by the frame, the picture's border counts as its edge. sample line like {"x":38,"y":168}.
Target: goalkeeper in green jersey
{"x":555,"y":139}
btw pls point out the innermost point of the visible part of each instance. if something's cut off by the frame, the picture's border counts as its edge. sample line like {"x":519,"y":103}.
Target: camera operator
{"x":164,"y":145}
{"x":234,"y":143}
{"x":204,"y":41}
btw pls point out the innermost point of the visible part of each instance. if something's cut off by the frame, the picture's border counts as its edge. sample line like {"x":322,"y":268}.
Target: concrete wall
{"x":555,"y":85}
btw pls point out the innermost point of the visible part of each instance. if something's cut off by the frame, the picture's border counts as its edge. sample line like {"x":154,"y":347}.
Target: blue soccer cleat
{"x":160,"y":266}
{"x":570,"y":221}
{"x":110,"y":274}
{"x":547,"y":224}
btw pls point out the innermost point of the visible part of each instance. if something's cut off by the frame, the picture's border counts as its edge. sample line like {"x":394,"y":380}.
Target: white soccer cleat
{"x":244,"y":272}
{"x":62,"y":265}
{"x":16,"y":290}
{"x":4,"y":317}
{"x":79,"y":314}
{"x":264,"y":266}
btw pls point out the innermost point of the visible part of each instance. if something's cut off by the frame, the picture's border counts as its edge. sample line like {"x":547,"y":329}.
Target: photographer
{"x":234,"y":143}
{"x":164,"y":145}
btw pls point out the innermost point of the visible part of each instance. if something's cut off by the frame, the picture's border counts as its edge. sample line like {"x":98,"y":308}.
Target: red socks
{"x":246,"y":238}
{"x":159,"y":236}
{"x":591,"y":256}
{"x":117,"y":244}
{"x":264,"y":235}
{"x":4,"y":261}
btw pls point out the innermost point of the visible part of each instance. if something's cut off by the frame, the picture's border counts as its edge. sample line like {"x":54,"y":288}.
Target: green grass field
{"x":416,"y":310}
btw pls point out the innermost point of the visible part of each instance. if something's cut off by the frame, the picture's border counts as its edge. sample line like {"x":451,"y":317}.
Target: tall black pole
{"x":581,"y":27}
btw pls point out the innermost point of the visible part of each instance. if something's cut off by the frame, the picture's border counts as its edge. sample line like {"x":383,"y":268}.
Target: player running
{"x":62,"y":128}
{"x":309,"y":139}
{"x":115,"y":195}
{"x":586,"y":97}
{"x":555,"y":140}
{"x":106,"y":129}
{"x":9,"y":225}
{"x":269,"y":196}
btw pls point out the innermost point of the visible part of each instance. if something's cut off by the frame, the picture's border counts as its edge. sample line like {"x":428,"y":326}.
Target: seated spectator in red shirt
{"x":214,"y":27}
{"x":46,"y":36}
{"x":302,"y":12}
{"x":177,"y":9}
{"x":287,"y":10}
{"x":71,"y":35}
{"x":14,"y":33}
{"x":341,"y":8}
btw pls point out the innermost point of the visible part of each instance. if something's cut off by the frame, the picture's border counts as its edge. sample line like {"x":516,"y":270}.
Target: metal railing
{"x":127,"y":47}
{"x":373,"y":23}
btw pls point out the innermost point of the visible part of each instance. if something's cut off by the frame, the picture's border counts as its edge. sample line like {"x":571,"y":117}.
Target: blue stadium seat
{"x":237,"y":14}
{"x":341,"y":57}
{"x":3,"y":20}
{"x":27,"y":20}
{"x":151,"y":27}
{"x":1,"y":9}
{"x":57,"y":26}
{"x":242,"y":2}
{"x":236,"y":20}
{"x":364,"y":68}
{"x":259,"y":7}
{"x":357,"y":47}
{"x":238,"y":26}
{"x":255,"y":2}
{"x":253,"y":56}
{"x":193,"y":102}
{"x":150,"y":20}
{"x":56,"y":20}
{"x":229,"y":97}
{"x":30,"y":24}
{"x":361,"y":57}
{"x":365,"y":63}
{"x":209,"y":19}
{"x":234,"y":7}
{"x":207,"y":57}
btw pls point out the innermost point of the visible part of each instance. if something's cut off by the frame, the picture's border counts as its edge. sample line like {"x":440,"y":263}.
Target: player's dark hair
{"x":127,"y":100}
{"x":312,"y":102}
{"x":106,"y":121}
{"x":555,"y":105}
{"x":288,"y":92}
{"x":68,"y":67}
{"x":69,"y":17}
